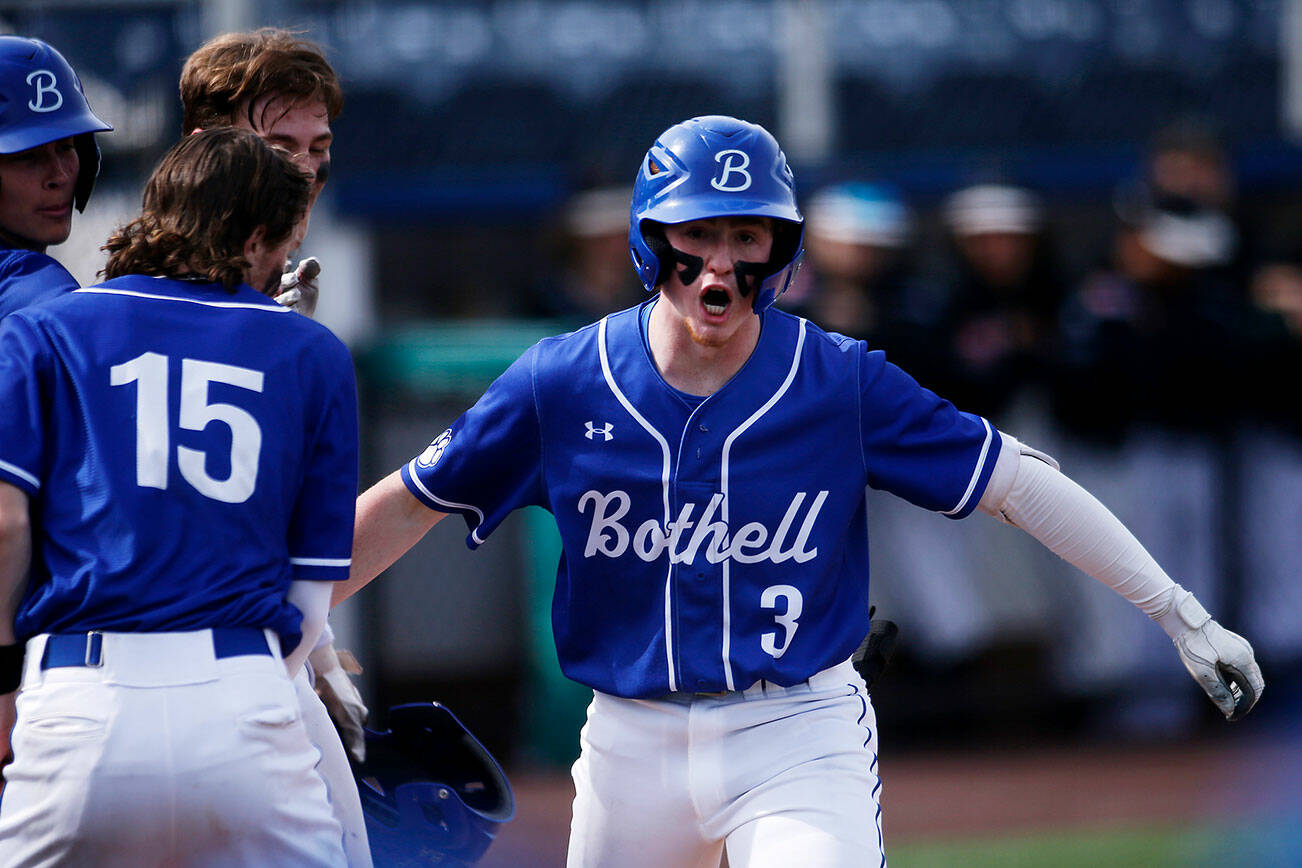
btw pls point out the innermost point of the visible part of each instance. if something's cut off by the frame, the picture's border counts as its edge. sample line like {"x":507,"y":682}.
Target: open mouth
{"x":715,"y":301}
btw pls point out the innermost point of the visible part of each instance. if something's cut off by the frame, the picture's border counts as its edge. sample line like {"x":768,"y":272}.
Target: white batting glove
{"x":298,"y":288}
{"x":1220,"y":661}
{"x":340,"y":696}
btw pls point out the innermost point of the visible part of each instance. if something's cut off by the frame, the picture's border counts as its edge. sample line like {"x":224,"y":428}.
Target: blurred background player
{"x":591,"y":276}
{"x":859,"y":276}
{"x":48,"y":164}
{"x":1155,"y":335}
{"x":178,"y":547}
{"x":706,"y":456}
{"x":1000,"y":314}
{"x":282,"y":87}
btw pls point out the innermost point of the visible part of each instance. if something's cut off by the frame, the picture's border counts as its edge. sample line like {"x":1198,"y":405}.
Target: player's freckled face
{"x":711,"y":307}
{"x":36,"y":187}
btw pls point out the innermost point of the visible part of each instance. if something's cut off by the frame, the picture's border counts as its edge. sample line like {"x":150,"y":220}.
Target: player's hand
{"x":340,"y":696}
{"x":1223,"y":665}
{"x":298,"y":286}
{"x":876,"y":649}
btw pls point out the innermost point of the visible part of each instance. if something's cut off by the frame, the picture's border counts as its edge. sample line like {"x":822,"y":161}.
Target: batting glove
{"x":876,"y":649}
{"x":1220,"y":661}
{"x":340,"y":696}
{"x":298,"y":289}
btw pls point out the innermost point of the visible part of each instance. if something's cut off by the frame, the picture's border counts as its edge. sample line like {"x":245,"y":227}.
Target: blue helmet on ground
{"x":431,"y":793}
{"x":41,"y":100}
{"x":716,"y":166}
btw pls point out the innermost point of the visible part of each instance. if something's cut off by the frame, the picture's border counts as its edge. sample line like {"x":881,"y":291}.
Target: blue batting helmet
{"x":41,"y":101}
{"x":431,"y":793}
{"x":715,"y":166}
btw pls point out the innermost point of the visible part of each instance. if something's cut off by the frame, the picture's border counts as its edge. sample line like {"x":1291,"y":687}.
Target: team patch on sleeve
{"x":434,"y":451}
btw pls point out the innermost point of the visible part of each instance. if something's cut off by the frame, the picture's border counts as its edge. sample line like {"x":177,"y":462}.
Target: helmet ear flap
{"x":653,"y":234}
{"x":88,"y":158}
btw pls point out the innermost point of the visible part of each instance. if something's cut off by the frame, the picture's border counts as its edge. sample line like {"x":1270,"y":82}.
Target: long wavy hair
{"x":229,"y":72}
{"x":205,"y":199}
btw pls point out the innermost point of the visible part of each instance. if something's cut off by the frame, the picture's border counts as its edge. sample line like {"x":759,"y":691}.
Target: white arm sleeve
{"x":1027,"y":491}
{"x":327,"y":636}
{"x":313,"y":600}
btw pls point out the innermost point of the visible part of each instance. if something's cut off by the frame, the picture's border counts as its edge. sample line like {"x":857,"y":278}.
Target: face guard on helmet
{"x":431,"y":793}
{"x":716,"y":166}
{"x":41,"y":101}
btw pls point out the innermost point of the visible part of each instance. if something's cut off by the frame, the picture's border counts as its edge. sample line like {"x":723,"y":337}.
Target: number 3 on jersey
{"x":786,"y":619}
{"x":153,"y":432}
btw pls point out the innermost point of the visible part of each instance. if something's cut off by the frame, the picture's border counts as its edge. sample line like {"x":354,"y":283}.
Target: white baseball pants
{"x":164,"y":754}
{"x":780,"y":776}
{"x":345,"y":802}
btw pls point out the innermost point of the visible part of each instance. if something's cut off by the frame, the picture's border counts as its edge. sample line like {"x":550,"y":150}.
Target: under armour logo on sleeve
{"x":47,"y":97}
{"x":605,"y":433}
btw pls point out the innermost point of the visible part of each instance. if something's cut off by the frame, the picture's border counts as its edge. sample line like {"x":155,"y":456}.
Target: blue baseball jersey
{"x":27,"y":277}
{"x":707,"y":543}
{"x":188,"y":451}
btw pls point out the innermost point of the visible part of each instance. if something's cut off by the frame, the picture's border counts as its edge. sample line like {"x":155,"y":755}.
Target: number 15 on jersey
{"x":151,"y":373}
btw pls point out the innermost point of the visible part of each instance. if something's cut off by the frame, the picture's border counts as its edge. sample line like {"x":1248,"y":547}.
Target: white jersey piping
{"x":664,"y":486}
{"x":727,"y":448}
{"x":976,"y":473}
{"x":479,"y":513}
{"x":321,"y":562}
{"x":20,"y":473}
{"x":230,"y":304}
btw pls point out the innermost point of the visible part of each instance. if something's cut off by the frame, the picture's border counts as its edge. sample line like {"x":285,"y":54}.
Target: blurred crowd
{"x":1163,"y":374}
{"x":1189,"y":320}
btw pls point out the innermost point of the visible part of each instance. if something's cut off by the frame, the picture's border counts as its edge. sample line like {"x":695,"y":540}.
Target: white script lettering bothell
{"x":684,"y":538}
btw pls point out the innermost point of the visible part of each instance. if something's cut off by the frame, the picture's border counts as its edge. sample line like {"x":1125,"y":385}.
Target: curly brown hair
{"x":228,"y":73}
{"x":204,"y":200}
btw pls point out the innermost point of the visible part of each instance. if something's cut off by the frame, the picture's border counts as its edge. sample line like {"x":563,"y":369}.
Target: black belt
{"x":86,"y":649}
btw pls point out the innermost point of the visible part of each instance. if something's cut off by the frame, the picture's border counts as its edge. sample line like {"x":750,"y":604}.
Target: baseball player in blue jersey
{"x":282,"y":87}
{"x":48,"y":164}
{"x":706,"y":456}
{"x":178,"y":464}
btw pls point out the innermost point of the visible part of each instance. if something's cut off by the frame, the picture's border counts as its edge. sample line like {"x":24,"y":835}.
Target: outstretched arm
{"x":1028,"y":491}
{"x":389,"y":522}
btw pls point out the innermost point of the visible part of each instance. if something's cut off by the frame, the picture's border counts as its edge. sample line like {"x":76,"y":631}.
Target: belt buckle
{"x":94,"y":649}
